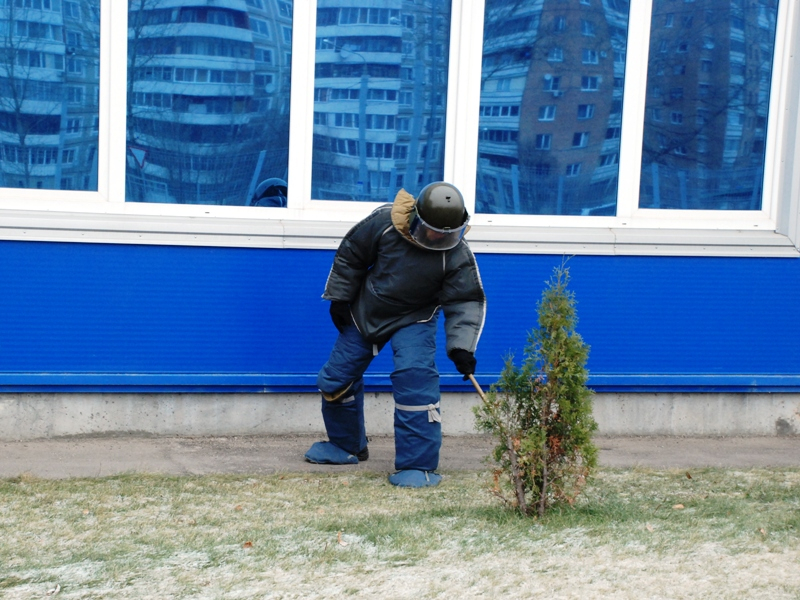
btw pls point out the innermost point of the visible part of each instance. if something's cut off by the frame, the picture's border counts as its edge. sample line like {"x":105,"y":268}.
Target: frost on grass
{"x":319,"y":537}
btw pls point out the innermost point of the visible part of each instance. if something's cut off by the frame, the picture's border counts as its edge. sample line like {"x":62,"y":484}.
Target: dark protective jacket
{"x":390,"y":281}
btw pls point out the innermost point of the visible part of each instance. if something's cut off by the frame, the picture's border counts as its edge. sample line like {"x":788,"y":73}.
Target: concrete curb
{"x":32,"y":416}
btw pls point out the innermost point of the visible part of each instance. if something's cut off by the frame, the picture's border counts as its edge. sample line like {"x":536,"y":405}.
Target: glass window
{"x":708,"y":154}
{"x":585,"y":111}
{"x":547,"y":112}
{"x":285,"y":8}
{"x":590,"y":83}
{"x":260,"y":26}
{"x":389,"y":67}
{"x":42,"y":102}
{"x":609,"y":159}
{"x":203,"y":131}
{"x":208,"y":95}
{"x":542,"y":141}
{"x":573,"y":170}
{"x":580,"y":139}
{"x":567,"y":103}
{"x":551,"y":83}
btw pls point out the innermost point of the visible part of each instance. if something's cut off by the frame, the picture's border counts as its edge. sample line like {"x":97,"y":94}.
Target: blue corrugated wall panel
{"x":155,"y":318}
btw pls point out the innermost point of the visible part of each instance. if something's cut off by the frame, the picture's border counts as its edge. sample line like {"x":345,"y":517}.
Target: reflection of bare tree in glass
{"x":201,"y":146}
{"x":138,"y":18}
{"x":389,"y":83}
{"x":498,"y":14}
{"x":35,"y":70}
{"x":437,"y":45}
{"x":16,"y":68}
{"x":534,"y":165}
{"x":707,"y":100}
{"x":510,"y":30}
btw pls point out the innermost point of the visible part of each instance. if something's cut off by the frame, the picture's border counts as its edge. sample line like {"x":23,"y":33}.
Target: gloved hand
{"x":465,"y":362}
{"x":340,"y":315}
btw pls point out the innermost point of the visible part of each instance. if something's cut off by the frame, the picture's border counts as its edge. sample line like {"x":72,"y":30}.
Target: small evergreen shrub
{"x":541,"y":412}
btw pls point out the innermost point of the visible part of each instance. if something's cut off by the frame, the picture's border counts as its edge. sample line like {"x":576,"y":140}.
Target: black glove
{"x":465,"y":362}
{"x":340,"y":315}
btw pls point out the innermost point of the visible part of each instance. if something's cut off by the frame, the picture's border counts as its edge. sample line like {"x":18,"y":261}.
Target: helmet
{"x":270,"y":192}
{"x":439,"y":220}
{"x":441,"y":205}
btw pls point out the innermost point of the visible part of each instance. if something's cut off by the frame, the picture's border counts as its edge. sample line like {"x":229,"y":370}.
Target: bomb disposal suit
{"x":392,"y":274}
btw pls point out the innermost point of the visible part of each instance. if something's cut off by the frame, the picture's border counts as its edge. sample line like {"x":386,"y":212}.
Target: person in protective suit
{"x":393,"y":273}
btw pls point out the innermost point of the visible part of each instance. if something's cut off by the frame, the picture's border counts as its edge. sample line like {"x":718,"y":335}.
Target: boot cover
{"x":328,"y":453}
{"x":412,"y":478}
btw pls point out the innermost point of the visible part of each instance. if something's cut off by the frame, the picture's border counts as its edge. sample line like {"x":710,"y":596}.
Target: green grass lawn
{"x":710,"y":533}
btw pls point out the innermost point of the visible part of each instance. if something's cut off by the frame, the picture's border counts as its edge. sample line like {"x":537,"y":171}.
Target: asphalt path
{"x":98,"y":456}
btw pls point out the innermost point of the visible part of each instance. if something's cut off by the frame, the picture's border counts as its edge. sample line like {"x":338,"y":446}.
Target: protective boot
{"x":328,"y":453}
{"x":411,"y":478}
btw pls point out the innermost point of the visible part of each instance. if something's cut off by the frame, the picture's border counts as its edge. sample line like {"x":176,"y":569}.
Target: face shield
{"x":433,"y":238}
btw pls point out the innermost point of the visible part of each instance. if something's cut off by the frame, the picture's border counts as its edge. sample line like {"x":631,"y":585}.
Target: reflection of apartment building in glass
{"x":49,"y":77}
{"x":271,"y":24}
{"x":551,"y":104}
{"x":707,"y":99}
{"x":379,"y":98}
{"x":203,"y":75}
{"x":510,"y":32}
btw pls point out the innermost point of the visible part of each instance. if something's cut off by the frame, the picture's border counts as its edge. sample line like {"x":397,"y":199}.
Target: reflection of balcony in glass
{"x":708,"y":87}
{"x":207,"y":118}
{"x":380,"y":90}
{"x":271,"y":24}
{"x":49,"y":94}
{"x":551,"y":92}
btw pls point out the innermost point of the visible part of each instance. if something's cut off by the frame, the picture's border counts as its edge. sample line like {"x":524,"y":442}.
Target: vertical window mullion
{"x":774,"y":168}
{"x":301,"y":113}
{"x":630,"y":158}
{"x":461,"y":138}
{"x":113,"y":99}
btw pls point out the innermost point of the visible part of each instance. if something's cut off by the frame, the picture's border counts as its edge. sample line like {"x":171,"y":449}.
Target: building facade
{"x":223,"y":148}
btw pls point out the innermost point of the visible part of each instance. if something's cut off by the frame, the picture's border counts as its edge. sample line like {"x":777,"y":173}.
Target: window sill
{"x":64,"y":226}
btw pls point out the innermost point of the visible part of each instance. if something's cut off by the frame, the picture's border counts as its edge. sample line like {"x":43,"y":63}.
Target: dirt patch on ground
{"x":97,"y":456}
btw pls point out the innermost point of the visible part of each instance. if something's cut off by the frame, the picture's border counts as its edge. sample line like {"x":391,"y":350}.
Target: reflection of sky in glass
{"x":49,"y":94}
{"x":379,"y":97}
{"x":707,"y":98}
{"x":208,"y":101}
{"x":551,"y":106}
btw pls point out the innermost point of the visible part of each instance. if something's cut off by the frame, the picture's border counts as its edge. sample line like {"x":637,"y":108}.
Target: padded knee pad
{"x":338,"y":395}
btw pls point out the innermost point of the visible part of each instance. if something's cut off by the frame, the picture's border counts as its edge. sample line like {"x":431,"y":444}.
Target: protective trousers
{"x":415,"y":385}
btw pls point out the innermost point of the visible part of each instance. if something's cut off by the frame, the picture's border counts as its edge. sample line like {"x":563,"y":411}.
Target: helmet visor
{"x":433,"y":238}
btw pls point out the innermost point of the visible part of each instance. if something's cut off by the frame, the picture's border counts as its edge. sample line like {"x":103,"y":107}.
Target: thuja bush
{"x":540,"y":412}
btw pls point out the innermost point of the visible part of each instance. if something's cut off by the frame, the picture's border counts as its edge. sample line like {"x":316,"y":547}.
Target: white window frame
{"x":104,"y":216}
